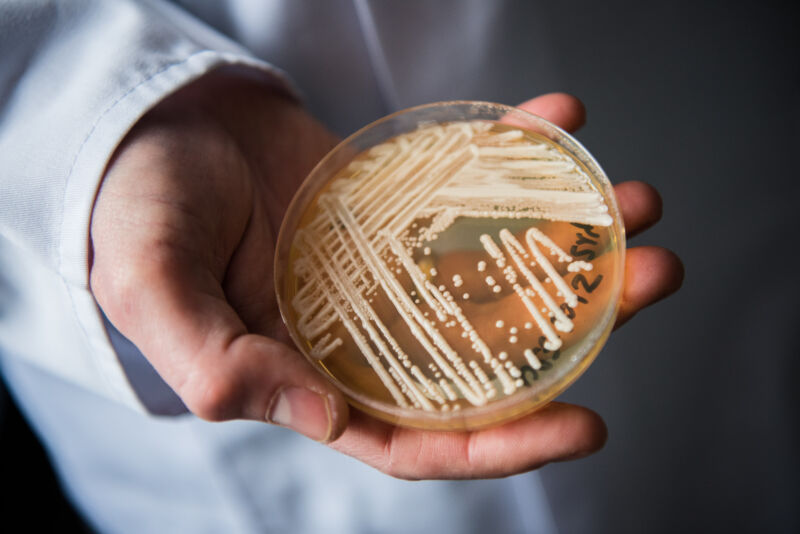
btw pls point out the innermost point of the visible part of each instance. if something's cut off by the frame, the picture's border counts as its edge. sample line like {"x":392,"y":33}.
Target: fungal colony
{"x":450,"y":266}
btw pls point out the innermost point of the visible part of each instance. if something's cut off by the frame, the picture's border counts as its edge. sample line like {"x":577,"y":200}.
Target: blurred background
{"x":699,"y":99}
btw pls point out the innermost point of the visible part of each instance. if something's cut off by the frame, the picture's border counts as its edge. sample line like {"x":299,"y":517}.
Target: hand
{"x":183,"y":235}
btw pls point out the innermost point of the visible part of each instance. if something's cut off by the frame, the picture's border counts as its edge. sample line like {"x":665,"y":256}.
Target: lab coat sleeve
{"x":74,"y":78}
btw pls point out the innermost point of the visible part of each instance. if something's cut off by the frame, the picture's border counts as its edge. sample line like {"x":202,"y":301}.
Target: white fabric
{"x":74,"y":77}
{"x":132,"y":475}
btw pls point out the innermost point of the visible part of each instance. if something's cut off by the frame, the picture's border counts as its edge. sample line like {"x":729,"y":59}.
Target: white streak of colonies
{"x":491,"y":247}
{"x":407,"y":310}
{"x":513,"y":370}
{"x":322,"y":350}
{"x":443,"y":303}
{"x":447,"y":300}
{"x":448,"y":390}
{"x":430,"y":387}
{"x":531,"y":237}
{"x":438,"y":173}
{"x":569,"y":214}
{"x":576,"y":266}
{"x":518,"y":253}
{"x":363,"y":345}
{"x":441,"y":174}
{"x":423,"y":286}
{"x":503,"y":376}
{"x":367,"y":316}
{"x":544,"y":325}
{"x":532,"y":359}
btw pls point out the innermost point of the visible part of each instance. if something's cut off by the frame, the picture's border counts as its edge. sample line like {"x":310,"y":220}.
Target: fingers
{"x":651,"y":274}
{"x":557,"y":432}
{"x":639,"y":204}
{"x":561,"y":109}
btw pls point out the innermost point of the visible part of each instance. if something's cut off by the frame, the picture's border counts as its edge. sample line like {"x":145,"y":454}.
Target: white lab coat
{"x":74,"y":77}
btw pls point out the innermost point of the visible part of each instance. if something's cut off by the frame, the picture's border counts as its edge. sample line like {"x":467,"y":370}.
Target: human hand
{"x":183,"y":236}
{"x":559,"y":431}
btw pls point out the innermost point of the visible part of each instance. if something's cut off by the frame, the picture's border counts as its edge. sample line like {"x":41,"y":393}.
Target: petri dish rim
{"x":403,"y":121}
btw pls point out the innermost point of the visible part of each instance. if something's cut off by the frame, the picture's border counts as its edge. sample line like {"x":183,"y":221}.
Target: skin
{"x":183,"y":235}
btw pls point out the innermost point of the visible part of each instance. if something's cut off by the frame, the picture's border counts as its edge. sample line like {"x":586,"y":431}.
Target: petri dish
{"x":452,"y":266}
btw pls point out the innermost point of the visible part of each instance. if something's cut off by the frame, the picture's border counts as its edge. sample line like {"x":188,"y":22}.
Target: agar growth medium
{"x":455,"y":272}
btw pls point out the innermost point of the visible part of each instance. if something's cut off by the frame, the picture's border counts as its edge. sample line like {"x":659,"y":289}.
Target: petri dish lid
{"x":453,"y":265}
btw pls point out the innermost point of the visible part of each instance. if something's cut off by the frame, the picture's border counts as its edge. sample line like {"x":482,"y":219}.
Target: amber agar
{"x":453,"y":265}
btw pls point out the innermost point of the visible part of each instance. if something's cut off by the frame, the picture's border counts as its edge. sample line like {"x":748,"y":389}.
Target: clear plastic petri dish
{"x":452,"y":266}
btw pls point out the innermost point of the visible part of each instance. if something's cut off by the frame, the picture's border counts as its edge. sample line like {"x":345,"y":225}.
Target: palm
{"x":184,"y":233}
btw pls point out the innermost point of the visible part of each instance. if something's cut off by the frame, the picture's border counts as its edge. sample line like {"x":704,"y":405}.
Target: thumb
{"x":176,"y":313}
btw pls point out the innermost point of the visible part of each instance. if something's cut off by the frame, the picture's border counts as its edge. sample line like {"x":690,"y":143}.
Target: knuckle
{"x":215,"y":398}
{"x":401,"y":456}
{"x":400,"y":472}
{"x":116,"y":287}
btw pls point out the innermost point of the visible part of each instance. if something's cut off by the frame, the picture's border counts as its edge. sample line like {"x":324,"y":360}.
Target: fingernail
{"x":303,"y":411}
